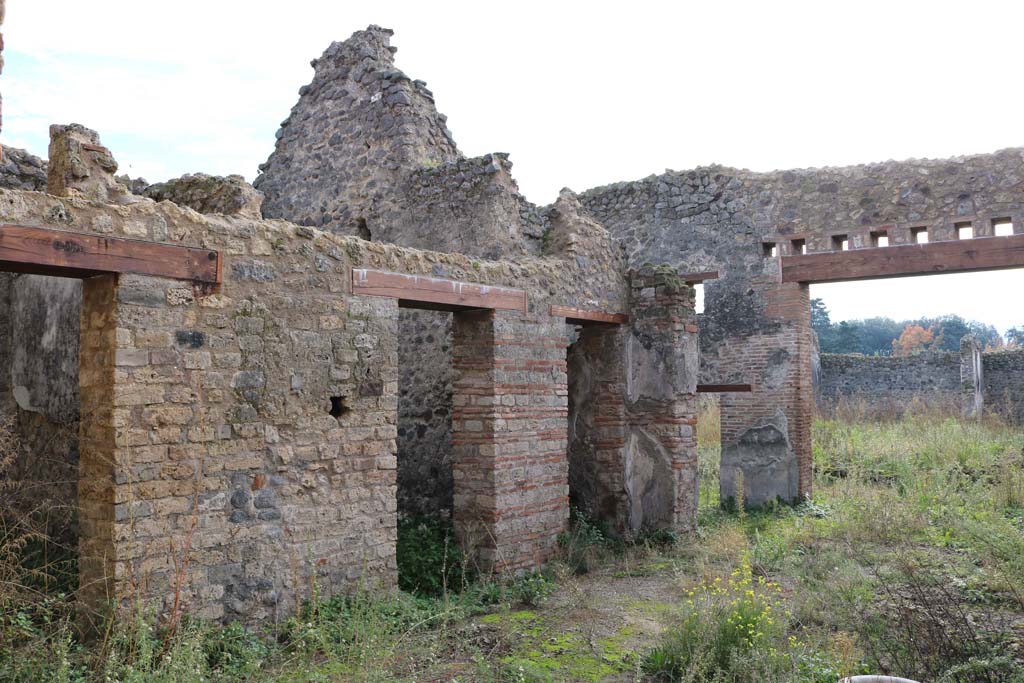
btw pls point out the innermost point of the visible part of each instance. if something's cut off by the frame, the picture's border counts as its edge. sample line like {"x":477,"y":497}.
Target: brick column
{"x":509,"y":437}
{"x":766,"y":434}
{"x":661,"y":403}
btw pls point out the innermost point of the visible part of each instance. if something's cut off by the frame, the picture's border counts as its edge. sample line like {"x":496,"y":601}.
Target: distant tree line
{"x":886,"y":337}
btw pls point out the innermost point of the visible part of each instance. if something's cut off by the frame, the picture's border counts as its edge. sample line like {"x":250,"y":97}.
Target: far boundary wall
{"x":890,"y":385}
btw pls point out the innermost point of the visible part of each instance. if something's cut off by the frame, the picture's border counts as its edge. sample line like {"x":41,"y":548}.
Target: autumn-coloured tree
{"x":913,"y":339}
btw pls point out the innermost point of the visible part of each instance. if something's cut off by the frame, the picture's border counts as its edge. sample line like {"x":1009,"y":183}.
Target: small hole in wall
{"x":799,"y":246}
{"x":919,"y":235}
{"x":964,"y":231}
{"x":770,"y":250}
{"x":1002,"y":227}
{"x":699,"y":301}
{"x":338,"y":407}
{"x":840,"y":243}
{"x":362,"y":231}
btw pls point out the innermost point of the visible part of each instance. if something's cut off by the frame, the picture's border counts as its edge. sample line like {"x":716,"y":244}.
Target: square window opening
{"x":880,"y":239}
{"x":964,"y":231}
{"x":919,"y":235}
{"x":1002,"y":227}
{"x":840,"y":243}
{"x":770,"y":249}
{"x":799,"y":246}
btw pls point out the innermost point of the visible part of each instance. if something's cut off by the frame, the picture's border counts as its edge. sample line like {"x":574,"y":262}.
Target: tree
{"x":822,"y":326}
{"x":877,"y":336}
{"x":913,"y":339}
{"x":1015,"y":336}
{"x":848,"y":337}
{"x":988,"y":336}
{"x":819,"y":315}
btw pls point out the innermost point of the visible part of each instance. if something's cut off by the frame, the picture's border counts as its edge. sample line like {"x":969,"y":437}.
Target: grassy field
{"x":909,"y":560}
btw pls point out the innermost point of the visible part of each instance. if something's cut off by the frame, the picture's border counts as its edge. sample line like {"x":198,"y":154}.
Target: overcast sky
{"x":580,"y":94}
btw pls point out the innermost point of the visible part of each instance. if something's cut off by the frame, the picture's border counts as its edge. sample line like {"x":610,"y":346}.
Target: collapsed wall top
{"x":357,"y":127}
{"x":364,"y":152}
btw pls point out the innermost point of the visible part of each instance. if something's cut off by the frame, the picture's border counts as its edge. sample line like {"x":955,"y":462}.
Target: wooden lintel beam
{"x":724,"y":388}
{"x":955,"y":256}
{"x":580,"y":316}
{"x":421,"y":291}
{"x":695,"y":278}
{"x":43,"y":251}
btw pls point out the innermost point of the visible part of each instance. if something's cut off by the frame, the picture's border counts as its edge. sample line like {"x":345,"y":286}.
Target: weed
{"x":736,"y":630}
{"x":586,"y":543}
{"x":430,"y":561}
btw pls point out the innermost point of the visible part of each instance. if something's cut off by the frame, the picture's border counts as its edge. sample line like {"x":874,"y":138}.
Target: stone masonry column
{"x":509,"y":437}
{"x":97,"y":437}
{"x":660,"y":458}
{"x":971,"y":381}
{"x":142,"y":489}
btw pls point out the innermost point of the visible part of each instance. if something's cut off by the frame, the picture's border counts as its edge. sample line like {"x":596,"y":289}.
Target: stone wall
{"x":364,"y":152}
{"x":891,"y":384}
{"x":1003,"y":375}
{"x":209,"y":433}
{"x":208,"y":194}
{"x":20,"y":170}
{"x":39,"y":328}
{"x":944,"y":379}
{"x":756,"y":330}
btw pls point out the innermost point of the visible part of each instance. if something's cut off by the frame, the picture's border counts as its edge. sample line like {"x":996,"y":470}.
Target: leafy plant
{"x":430,"y":561}
{"x":732,"y":630}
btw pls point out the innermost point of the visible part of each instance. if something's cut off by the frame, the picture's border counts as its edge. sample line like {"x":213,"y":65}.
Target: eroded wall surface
{"x":210,"y":433}
{"x":943,"y":379}
{"x":887,"y":383}
{"x":39,"y":401}
{"x":364,"y":152}
{"x":756,"y":330}
{"x":1003,"y":382}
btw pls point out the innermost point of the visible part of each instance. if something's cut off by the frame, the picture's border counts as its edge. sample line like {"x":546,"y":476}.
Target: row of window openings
{"x":1002,"y":227}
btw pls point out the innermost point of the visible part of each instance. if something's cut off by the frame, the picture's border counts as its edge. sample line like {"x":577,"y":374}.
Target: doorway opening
{"x":428,"y":554}
{"x":39,"y":427}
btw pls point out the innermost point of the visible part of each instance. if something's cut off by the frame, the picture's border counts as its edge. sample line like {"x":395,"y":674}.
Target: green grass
{"x":918,"y":517}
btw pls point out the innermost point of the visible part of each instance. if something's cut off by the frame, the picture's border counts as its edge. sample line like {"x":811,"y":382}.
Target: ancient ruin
{"x":240,"y":387}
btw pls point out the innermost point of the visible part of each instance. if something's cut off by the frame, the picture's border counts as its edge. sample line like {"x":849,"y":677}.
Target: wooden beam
{"x":420,"y":291}
{"x":43,"y":251}
{"x":693,"y":278}
{"x":724,"y":388}
{"x":956,"y":256}
{"x":580,"y":316}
